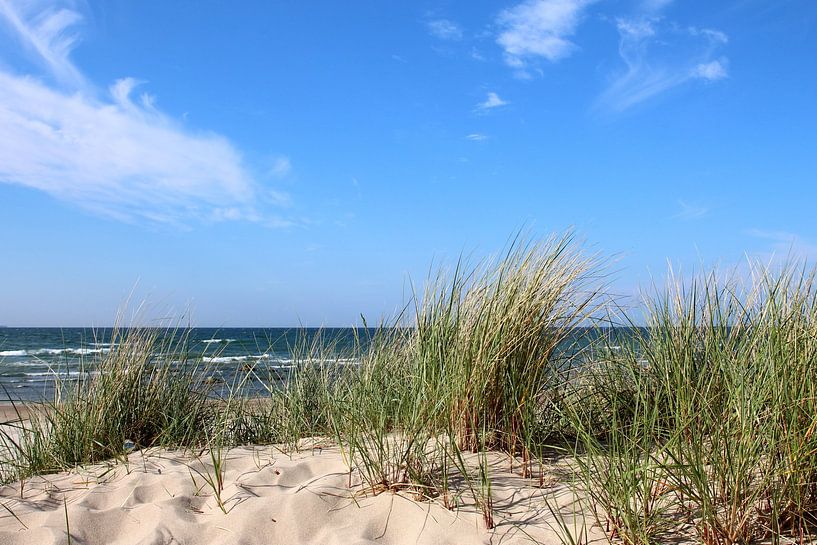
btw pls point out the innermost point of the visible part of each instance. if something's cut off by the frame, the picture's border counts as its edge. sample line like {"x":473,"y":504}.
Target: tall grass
{"x":715,"y":436}
{"x":294,"y":402}
{"x":486,"y":338}
{"x":144,"y":391}
{"x":702,"y":424}
{"x":470,"y":373}
{"x":486,"y":346}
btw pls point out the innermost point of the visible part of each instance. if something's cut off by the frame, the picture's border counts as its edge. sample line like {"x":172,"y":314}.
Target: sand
{"x":13,"y":412}
{"x":157,"y":497}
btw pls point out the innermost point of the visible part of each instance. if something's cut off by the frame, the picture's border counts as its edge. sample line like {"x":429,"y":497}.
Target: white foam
{"x":227,"y":359}
{"x":48,"y":351}
{"x":313,"y":361}
{"x":208,"y":341}
{"x":56,"y":373}
{"x":13,"y":353}
{"x":71,"y":351}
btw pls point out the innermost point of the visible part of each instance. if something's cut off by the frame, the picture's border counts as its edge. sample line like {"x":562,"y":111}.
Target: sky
{"x":304,"y":163}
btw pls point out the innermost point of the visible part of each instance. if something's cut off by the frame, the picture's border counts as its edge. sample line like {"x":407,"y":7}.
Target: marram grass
{"x":711,"y":415}
{"x":701,"y":425}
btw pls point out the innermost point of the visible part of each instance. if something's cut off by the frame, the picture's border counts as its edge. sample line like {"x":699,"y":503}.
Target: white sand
{"x":270,"y":498}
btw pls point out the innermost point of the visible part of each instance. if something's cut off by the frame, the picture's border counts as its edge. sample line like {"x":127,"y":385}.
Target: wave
{"x":53,"y":377}
{"x":69,"y":351}
{"x":280,"y":362}
{"x":54,"y":352}
{"x":219,"y":341}
{"x":57,"y":373}
{"x":229,"y":359}
{"x":331,"y":361}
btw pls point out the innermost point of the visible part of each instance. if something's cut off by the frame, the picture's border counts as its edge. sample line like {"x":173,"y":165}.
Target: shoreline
{"x":9,"y":411}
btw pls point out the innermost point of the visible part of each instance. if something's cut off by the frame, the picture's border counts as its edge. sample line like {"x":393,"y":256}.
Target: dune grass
{"x":701,"y":425}
{"x":145,"y":392}
{"x":709,"y":427}
{"x":485,"y":345}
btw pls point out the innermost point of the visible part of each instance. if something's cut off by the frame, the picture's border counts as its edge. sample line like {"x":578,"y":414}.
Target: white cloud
{"x":445,"y":29}
{"x":654,"y":5}
{"x":117,"y":158}
{"x":477,"y":137}
{"x":492,"y":101}
{"x":784,"y":245}
{"x":108,"y":152}
{"x":690,"y":211}
{"x":710,"y":71}
{"x":539,"y":28}
{"x":45,"y":30}
{"x":281,"y":167}
{"x":713,"y":35}
{"x":658,"y":57}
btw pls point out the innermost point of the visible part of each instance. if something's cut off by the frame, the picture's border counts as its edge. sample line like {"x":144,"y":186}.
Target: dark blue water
{"x":30,"y":357}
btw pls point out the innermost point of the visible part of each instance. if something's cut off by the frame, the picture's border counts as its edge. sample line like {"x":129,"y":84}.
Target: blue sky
{"x":276,"y":163}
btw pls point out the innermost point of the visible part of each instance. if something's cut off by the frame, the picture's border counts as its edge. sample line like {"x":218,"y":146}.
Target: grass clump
{"x":144,"y":392}
{"x":471,"y":371}
{"x":710,"y":420}
{"x":488,"y":338}
{"x":702,"y":424}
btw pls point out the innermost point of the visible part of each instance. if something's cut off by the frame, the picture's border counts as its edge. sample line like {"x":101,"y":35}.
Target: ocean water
{"x":30,"y":357}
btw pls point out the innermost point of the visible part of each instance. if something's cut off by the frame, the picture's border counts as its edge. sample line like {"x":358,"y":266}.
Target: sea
{"x":30,"y":358}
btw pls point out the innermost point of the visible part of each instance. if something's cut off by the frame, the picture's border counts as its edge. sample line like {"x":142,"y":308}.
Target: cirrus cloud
{"x":445,"y":29}
{"x":110,"y":152}
{"x":659,"y":56}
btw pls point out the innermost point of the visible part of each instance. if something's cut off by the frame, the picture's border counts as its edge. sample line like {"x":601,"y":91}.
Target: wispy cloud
{"x":785,"y":245}
{"x":492,"y":101}
{"x":539,"y":29}
{"x":46,"y":31}
{"x":659,"y":56}
{"x":477,"y":56}
{"x":690,"y":211}
{"x":477,"y":137}
{"x":108,"y":151}
{"x":652,"y":6}
{"x":281,"y":167}
{"x":445,"y":29}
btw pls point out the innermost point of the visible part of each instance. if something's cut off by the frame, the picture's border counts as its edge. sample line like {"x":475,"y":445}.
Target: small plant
{"x":146,"y":390}
{"x":214,"y":479}
{"x":67,"y":525}
{"x":572,"y":533}
{"x":13,"y":514}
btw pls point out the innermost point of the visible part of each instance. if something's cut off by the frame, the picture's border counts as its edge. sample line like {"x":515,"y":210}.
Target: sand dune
{"x":270,"y":497}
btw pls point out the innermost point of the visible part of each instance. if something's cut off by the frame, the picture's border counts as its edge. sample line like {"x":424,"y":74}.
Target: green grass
{"x":703,"y":424}
{"x":709,"y":420}
{"x":144,"y":391}
{"x":470,"y":373}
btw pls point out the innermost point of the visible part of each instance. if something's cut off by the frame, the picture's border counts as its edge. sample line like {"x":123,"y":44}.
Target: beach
{"x":160,"y":497}
{"x":497,"y":417}
{"x":398,"y":273}
{"x":13,"y":411}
